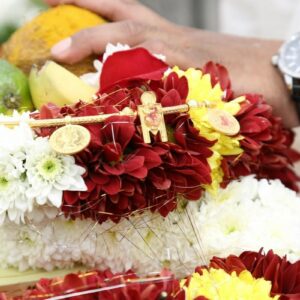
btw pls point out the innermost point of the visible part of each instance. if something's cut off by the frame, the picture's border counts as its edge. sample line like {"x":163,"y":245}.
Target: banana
{"x":55,"y":84}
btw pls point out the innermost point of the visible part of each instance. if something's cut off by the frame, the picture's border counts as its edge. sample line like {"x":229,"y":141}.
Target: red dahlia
{"x":125,"y":175}
{"x":266,"y":144}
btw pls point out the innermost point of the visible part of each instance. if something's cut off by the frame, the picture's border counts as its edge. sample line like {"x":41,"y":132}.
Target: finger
{"x":94,"y":40}
{"x":117,"y":10}
{"x":175,"y":56}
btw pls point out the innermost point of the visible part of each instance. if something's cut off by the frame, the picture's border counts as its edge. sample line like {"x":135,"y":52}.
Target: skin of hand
{"x":247,"y":59}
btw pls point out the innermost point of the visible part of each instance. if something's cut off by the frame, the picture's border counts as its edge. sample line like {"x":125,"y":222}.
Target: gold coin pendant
{"x":223,"y":122}
{"x":70,"y":139}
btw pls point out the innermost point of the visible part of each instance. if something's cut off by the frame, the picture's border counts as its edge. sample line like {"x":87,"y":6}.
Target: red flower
{"x":219,"y":74}
{"x":124,"y":67}
{"x":266,"y":143}
{"x":123,"y":174}
{"x":109,"y":286}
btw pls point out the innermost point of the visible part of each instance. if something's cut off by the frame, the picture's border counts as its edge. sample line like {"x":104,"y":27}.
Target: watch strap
{"x":296,"y":94}
{"x":296,"y":90}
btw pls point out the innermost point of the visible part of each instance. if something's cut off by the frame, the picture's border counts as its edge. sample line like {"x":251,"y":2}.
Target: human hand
{"x":247,"y":59}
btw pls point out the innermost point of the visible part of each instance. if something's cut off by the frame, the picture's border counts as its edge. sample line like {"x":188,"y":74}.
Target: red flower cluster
{"x":284,"y":276}
{"x":107,"y":286}
{"x":266,"y":144}
{"x":125,"y":175}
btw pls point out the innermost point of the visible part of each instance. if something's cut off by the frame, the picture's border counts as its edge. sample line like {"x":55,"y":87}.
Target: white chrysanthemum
{"x":13,"y":184}
{"x":31,"y":174}
{"x":248,"y":215}
{"x":13,"y":202}
{"x":144,"y":243}
{"x":49,"y":174}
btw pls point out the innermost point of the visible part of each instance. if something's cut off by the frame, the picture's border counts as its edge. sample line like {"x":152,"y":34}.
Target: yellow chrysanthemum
{"x":202,"y":91}
{"x":216,"y":284}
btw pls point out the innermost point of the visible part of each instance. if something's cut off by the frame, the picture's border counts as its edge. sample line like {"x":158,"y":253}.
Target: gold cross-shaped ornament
{"x":72,"y":138}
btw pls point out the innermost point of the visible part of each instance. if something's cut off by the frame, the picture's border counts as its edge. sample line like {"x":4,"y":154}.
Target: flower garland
{"x":118,"y":174}
{"x":251,"y":275}
{"x":125,"y":175}
{"x":247,"y":215}
{"x":143,"y":243}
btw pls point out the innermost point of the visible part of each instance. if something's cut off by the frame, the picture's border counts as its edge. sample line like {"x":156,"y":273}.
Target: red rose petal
{"x":133,"y":64}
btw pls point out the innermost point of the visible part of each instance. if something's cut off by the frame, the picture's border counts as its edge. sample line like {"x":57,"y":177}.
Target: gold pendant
{"x":223,"y":122}
{"x":70,"y":139}
{"x":152,"y":117}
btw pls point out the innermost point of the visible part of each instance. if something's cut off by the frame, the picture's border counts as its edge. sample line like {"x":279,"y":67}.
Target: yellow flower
{"x":201,"y":90}
{"x":216,"y":284}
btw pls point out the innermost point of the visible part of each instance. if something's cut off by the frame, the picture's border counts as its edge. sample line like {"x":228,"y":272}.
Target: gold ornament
{"x":152,"y":117}
{"x":223,"y":122}
{"x":70,"y":139}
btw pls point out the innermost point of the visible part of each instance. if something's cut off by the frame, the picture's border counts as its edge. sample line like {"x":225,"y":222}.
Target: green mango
{"x":14,"y":89}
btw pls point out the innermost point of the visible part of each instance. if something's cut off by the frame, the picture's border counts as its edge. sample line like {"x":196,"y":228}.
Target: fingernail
{"x":61,"y":48}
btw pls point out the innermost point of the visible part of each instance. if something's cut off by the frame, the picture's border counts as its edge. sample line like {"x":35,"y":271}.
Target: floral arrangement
{"x":246,"y":215}
{"x":118,"y":173}
{"x":250,"y":275}
{"x":219,"y":183}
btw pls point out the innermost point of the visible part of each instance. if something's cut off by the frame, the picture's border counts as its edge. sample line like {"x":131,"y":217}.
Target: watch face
{"x":289,"y":61}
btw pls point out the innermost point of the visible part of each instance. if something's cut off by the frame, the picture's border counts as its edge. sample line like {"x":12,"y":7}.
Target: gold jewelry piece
{"x":152,"y":117}
{"x":10,"y":122}
{"x":223,"y":122}
{"x":70,"y":139}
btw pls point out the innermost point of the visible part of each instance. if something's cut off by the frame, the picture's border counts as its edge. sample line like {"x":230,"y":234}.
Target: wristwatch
{"x":288,"y":62}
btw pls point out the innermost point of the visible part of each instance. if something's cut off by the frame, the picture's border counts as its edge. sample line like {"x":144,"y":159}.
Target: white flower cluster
{"x":31,"y":174}
{"x":144,"y":243}
{"x":248,"y":215}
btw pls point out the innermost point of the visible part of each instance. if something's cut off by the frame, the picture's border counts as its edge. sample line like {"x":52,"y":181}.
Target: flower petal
{"x":133,"y":64}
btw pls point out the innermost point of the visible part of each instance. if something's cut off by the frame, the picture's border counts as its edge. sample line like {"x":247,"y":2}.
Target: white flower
{"x":93,"y":79}
{"x":111,"y":49}
{"x":13,"y":202}
{"x":32,"y":175}
{"x":15,"y":140}
{"x":13,"y":184}
{"x":248,"y":215}
{"x":49,"y":174}
{"x":144,"y":243}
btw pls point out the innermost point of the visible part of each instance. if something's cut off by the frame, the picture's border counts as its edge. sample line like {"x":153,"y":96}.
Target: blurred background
{"x":267,"y":18}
